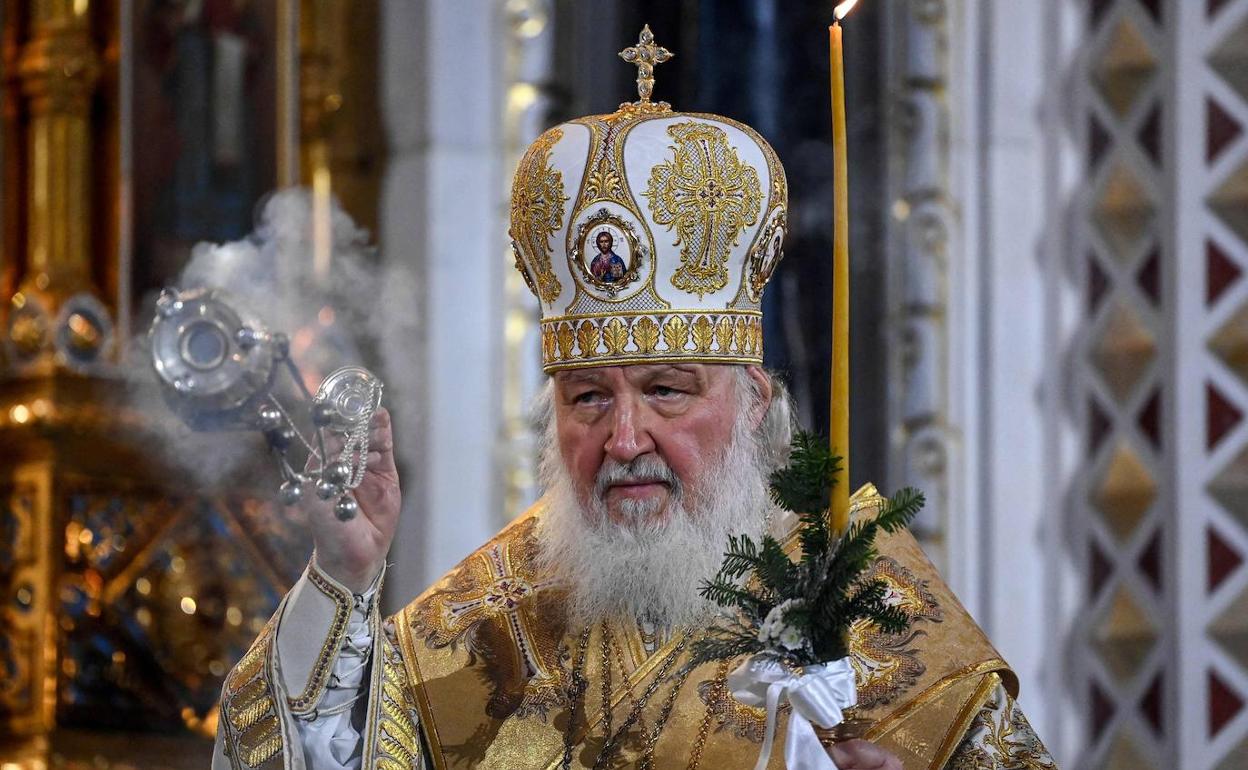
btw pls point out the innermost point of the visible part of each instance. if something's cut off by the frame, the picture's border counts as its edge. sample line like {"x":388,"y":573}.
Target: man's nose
{"x":630,"y":435}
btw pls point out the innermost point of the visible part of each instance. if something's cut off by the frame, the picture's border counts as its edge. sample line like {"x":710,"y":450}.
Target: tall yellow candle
{"x":840,"y":274}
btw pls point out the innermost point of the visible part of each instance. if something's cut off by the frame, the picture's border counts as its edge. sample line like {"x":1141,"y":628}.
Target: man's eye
{"x":588,"y":397}
{"x":663,"y":391}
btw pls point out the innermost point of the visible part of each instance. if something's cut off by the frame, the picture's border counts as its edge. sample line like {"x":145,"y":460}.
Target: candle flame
{"x":844,"y":8}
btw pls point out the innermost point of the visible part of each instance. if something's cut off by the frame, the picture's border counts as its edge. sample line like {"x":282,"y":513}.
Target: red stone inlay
{"x":1220,"y":272}
{"x":1097,"y":284}
{"x":1222,"y":129}
{"x":1223,"y":560}
{"x":1149,"y":562}
{"x":1224,"y":704}
{"x":1149,"y":419}
{"x":1221,"y":416}
{"x":1102,"y":711}
{"x":1150,"y":705}
{"x":1150,"y":135}
{"x":1099,"y":569}
{"x":1098,"y":426}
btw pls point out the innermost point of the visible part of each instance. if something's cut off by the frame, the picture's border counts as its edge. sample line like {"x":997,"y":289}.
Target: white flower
{"x":776,"y":632}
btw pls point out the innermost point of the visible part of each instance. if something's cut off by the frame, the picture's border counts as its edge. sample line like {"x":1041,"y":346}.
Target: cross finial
{"x":645,"y":55}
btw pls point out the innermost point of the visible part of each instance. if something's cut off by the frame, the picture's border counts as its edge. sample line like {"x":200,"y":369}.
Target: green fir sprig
{"x":800,"y":612}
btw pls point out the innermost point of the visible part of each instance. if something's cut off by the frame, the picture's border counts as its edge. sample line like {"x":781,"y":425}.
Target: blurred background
{"x":1049,"y":336}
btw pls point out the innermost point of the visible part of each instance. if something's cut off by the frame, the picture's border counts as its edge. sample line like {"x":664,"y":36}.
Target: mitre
{"x":648,"y":235}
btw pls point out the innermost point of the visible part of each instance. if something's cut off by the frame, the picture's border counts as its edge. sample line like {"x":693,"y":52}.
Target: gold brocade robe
{"x":481,"y":671}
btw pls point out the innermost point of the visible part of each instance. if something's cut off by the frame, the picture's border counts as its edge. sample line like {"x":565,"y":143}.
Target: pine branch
{"x":805,"y":484}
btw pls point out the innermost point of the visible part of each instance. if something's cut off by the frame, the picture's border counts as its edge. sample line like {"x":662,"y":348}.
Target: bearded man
{"x":561,"y":642}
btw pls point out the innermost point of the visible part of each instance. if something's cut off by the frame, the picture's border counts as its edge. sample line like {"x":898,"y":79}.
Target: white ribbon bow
{"x":819,"y":695}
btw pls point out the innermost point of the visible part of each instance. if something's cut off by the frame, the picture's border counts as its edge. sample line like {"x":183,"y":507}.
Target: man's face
{"x":604,"y":243}
{"x":679,"y":414}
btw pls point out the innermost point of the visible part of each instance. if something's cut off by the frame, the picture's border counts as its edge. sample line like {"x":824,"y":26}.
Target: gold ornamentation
{"x":728,"y":337}
{"x":604,"y":183}
{"x":397,"y":737}
{"x":587,"y":338}
{"x":566,"y":339}
{"x":615,"y":336}
{"x":887,"y":664}
{"x":537,"y":207}
{"x":645,"y":335}
{"x":723,"y":333}
{"x":766,"y":254}
{"x":708,"y":196}
{"x":248,"y":704}
{"x":1001,"y":738}
{"x":489,"y":604}
{"x":306,"y":701}
{"x":676,"y":334}
{"x":645,"y":55}
{"x":703,"y":334}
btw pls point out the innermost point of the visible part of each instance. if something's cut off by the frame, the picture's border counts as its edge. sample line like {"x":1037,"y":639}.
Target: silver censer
{"x":218,"y":370}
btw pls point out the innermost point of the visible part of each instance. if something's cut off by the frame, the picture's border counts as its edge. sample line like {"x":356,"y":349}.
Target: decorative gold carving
{"x":887,"y":664}
{"x":709,"y":196}
{"x":537,"y":207}
{"x":723,"y":334}
{"x":645,"y":55}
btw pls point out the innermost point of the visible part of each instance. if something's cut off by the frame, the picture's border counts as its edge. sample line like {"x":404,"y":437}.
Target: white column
{"x":441,"y":70}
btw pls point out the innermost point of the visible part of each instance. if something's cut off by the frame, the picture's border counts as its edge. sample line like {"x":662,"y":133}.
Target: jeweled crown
{"x":648,"y":235}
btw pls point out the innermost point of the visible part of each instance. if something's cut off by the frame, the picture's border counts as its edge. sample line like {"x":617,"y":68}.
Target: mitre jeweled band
{"x":616,"y":339}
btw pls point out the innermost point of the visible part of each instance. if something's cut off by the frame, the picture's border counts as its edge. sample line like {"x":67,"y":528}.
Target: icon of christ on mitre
{"x":566,"y":640}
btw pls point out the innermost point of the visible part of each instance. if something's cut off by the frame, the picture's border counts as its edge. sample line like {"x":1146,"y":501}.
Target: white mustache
{"x":645,"y":469}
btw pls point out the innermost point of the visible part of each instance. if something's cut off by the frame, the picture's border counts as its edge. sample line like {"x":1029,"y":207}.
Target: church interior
{"x":1048,"y":330}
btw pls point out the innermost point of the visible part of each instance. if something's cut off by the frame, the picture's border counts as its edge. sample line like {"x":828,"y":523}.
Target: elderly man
{"x":560,"y":643}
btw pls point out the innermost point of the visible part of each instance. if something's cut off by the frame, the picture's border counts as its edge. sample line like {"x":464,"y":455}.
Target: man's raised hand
{"x":353,"y":552}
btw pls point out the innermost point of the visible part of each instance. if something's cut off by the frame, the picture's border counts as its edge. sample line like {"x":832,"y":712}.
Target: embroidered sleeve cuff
{"x":312,"y":629}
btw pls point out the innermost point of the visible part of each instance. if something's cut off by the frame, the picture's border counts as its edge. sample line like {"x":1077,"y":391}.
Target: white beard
{"x":650,"y":567}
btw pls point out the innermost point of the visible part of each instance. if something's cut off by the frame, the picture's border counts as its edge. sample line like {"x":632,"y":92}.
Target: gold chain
{"x":719,"y":685}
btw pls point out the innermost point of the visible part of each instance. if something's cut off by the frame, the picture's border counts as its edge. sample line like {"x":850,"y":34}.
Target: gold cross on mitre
{"x":645,"y":55}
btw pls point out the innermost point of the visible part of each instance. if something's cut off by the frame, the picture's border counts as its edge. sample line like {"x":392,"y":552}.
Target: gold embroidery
{"x":1000,"y":738}
{"x":398,"y":731}
{"x":537,"y":207}
{"x":709,"y":196}
{"x":615,"y":335}
{"x":307,"y":700}
{"x":587,"y":338}
{"x":565,"y":346}
{"x":489,"y":604}
{"x":723,"y":334}
{"x":604,"y":182}
{"x":645,"y":334}
{"x":886,"y":664}
{"x":703,"y":334}
{"x":676,"y":334}
{"x":248,"y":705}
